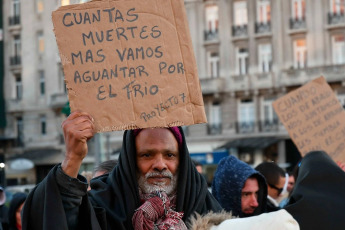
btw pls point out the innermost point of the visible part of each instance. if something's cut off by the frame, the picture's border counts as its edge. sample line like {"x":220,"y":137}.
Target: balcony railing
{"x":14,"y":20}
{"x":15,"y":60}
{"x":245,"y":127}
{"x":212,"y":85}
{"x":213,"y":129}
{"x":300,"y":76}
{"x":264,"y":126}
{"x":211,"y":35}
{"x":263,"y":80}
{"x":269,"y":125}
{"x":262,"y":27}
{"x":14,"y":105}
{"x":58,"y":100}
{"x":297,"y":23}
{"x":240,"y":30}
{"x":239,"y":82}
{"x":259,"y":126}
{"x":336,"y":18}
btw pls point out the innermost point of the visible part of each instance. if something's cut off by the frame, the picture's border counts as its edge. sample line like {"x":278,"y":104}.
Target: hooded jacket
{"x":113,"y":198}
{"x":318,"y":198}
{"x":228,"y":181}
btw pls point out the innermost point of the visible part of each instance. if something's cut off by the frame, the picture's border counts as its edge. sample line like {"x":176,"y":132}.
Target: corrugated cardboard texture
{"x":130,"y":64}
{"x":314,"y":119}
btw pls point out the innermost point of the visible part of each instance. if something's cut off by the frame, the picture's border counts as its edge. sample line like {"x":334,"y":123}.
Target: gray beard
{"x":147,"y":188}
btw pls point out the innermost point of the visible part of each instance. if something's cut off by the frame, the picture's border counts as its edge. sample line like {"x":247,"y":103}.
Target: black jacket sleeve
{"x":57,"y":203}
{"x":72,"y":191}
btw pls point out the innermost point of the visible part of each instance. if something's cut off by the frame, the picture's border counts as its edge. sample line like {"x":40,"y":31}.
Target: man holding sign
{"x":154,"y":186}
{"x":128,"y":65}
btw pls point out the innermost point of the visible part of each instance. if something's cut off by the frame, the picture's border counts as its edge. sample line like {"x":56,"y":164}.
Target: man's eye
{"x":171,"y":155}
{"x":145,"y":155}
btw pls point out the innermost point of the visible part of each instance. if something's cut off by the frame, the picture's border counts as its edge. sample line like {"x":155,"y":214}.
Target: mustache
{"x":163,"y":174}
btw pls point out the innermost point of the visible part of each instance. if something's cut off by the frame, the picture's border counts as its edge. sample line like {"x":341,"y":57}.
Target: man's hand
{"x":78,"y":128}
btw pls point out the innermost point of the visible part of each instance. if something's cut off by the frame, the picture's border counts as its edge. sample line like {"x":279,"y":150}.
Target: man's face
{"x":249,"y":197}
{"x":199,"y":168}
{"x":291,"y":183}
{"x":157,"y":160}
{"x":275,"y":191}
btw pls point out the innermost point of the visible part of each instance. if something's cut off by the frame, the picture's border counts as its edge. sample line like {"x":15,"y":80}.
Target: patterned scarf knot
{"x":157,"y":213}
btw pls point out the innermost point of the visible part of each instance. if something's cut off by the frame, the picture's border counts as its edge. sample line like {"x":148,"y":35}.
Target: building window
{"x":215,"y":119}
{"x":42,"y":83}
{"x":300,"y":53}
{"x":337,"y":6}
{"x":212,"y":18}
{"x":298,"y":10}
{"x":65,"y":2}
{"x":213,"y":64}
{"x":338,"y":49}
{"x":265,"y":57}
{"x":246,"y":116}
{"x":263,"y":16}
{"x":39,"y":6}
{"x":16,"y":7}
{"x":239,"y":27}
{"x":240,"y":13}
{"x":242,"y":61}
{"x":211,"y":22}
{"x":16,"y":51}
{"x":336,"y":12}
{"x":16,"y":45}
{"x":14,"y":18}
{"x":270,"y":118}
{"x":40,"y":41}
{"x":263,"y":11}
{"x":43,"y":124}
{"x":19,"y":87}
{"x":20,"y":131}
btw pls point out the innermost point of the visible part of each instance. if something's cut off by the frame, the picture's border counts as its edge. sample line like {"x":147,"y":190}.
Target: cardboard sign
{"x":314,"y":119}
{"x":130,"y":64}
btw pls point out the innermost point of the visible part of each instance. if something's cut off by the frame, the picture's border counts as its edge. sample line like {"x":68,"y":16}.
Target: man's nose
{"x":254,"y":202}
{"x":159,"y":163}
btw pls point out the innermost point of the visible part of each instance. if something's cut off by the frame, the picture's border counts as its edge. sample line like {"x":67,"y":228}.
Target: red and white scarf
{"x":157,"y":212}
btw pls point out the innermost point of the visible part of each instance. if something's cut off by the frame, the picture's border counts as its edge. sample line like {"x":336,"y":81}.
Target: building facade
{"x":251,"y":52}
{"x":34,"y":91}
{"x":248,"y":52}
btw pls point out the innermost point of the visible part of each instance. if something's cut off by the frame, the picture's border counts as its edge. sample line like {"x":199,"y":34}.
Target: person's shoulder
{"x":281,"y":220}
{"x":204,"y":222}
